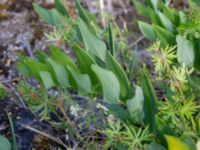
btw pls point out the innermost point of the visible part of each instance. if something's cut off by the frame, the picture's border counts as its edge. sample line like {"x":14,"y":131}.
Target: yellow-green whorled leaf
{"x":116,"y":68}
{"x":147,"y":30}
{"x":109,"y":82}
{"x":135,"y":106}
{"x":59,"y":72}
{"x":185,"y":51}
{"x":93,"y":44}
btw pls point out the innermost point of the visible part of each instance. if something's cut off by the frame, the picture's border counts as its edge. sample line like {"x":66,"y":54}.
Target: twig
{"x":26,"y":45}
{"x":78,"y":96}
{"x":101,"y":5}
{"x":15,"y":147}
{"x":3,"y":127}
{"x":17,"y":94}
{"x":136,"y":42}
{"x":9,"y":81}
{"x":121,"y":2}
{"x":55,"y":139}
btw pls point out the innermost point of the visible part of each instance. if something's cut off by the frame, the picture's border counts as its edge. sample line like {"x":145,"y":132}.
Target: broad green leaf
{"x":111,"y":40}
{"x":109,"y":82}
{"x":61,"y":8}
{"x":167,"y":2}
{"x":176,"y":144}
{"x":52,"y":17}
{"x":147,"y":2}
{"x":155,"y":146}
{"x":94,"y":23}
{"x":41,"y":56}
{"x":115,"y":67}
{"x":92,"y":43}
{"x":4,"y":143}
{"x":172,"y":14}
{"x":164,"y":36}
{"x":92,"y":18}
{"x":166,"y":22}
{"x":24,"y":70}
{"x":185,"y":51}
{"x":141,"y":9}
{"x":35,"y":67}
{"x":155,"y":5}
{"x":135,"y":106}
{"x":85,"y":61}
{"x":197,"y":54}
{"x":58,"y":19}
{"x":89,"y":19}
{"x":62,"y":58}
{"x":118,"y":111}
{"x":194,"y":4}
{"x":198,"y":145}
{"x":22,"y":67}
{"x":82,"y":80}
{"x":82,"y":13}
{"x":122,"y":146}
{"x":43,"y":13}
{"x":154,"y":17}
{"x":46,"y":79}
{"x":150,"y":102}
{"x":65,"y":60}
{"x":147,"y":30}
{"x":187,"y":139}
{"x":59,"y":72}
{"x":183,"y":17}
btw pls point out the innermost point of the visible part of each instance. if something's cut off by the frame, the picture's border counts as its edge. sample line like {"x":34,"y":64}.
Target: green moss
{"x":2,"y":92}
